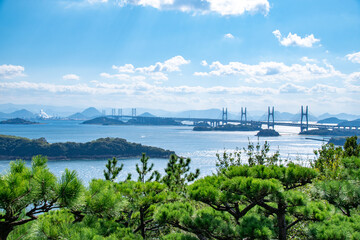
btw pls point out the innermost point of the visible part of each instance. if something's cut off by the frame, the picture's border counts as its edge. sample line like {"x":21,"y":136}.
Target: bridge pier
{"x":243,"y":113}
{"x":306,"y":115}
{"x":271,"y":115}
{"x":224,"y":115}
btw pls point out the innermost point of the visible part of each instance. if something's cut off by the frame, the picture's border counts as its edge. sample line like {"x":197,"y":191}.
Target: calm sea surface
{"x":201,"y":147}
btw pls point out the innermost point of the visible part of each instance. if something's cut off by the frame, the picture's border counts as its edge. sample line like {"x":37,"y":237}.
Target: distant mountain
{"x":355,"y":123}
{"x":52,"y":110}
{"x":146,"y":114}
{"x":297,"y":118}
{"x":23,"y":113}
{"x":284,"y":116}
{"x":346,"y":116}
{"x":4,"y":115}
{"x":78,"y":116}
{"x":332,"y":120}
{"x":208,"y":113}
{"x":91,"y":112}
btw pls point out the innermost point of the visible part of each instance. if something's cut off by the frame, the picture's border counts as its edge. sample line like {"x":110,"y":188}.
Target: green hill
{"x":12,"y":147}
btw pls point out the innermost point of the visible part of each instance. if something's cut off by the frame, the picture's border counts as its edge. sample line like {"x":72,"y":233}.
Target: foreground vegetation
{"x":264,"y":198}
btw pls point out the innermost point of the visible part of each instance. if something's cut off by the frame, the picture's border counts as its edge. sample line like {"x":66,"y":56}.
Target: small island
{"x":12,"y":147}
{"x":18,"y":121}
{"x":267,"y":133}
{"x":327,"y":132}
{"x":104,"y":121}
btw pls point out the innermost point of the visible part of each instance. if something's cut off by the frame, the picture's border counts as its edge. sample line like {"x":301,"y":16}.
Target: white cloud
{"x":229,"y":36}
{"x":291,"y":88}
{"x":11,"y":71}
{"x":204,"y":63}
{"x":295,"y":40}
{"x":158,"y":71}
{"x":239,"y":7}
{"x":71,"y":77}
{"x":353,"y":79}
{"x":171,"y":65}
{"x":222,"y":7}
{"x":272,"y":71}
{"x":310,"y":60}
{"x":127,"y":68}
{"x":354,"y":57}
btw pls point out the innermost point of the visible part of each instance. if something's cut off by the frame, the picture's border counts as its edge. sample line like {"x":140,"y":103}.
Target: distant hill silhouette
{"x":334,"y":120}
{"x":345,"y":116}
{"x":91,"y":112}
{"x":23,"y":113}
{"x":146,"y":114}
{"x":355,"y":123}
{"x":78,"y":116}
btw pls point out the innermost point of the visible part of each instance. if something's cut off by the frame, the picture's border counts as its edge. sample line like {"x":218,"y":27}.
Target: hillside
{"x":17,"y":121}
{"x":91,"y":112}
{"x":104,"y":121}
{"x":334,"y":120}
{"x":12,"y":147}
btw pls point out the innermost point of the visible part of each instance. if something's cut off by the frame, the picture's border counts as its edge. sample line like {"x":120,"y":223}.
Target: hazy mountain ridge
{"x":31,"y":111}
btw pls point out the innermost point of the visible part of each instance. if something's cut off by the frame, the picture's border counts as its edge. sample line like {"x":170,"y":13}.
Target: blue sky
{"x":178,"y":55}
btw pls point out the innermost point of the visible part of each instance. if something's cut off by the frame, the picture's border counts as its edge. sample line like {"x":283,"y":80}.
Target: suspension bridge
{"x":303,"y":122}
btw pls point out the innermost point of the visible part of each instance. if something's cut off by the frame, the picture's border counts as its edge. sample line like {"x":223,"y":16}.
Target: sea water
{"x":201,"y":147}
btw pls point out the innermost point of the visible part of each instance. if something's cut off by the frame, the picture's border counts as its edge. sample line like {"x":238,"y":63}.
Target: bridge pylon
{"x":272,"y":116}
{"x":243,"y":113}
{"x":304,"y":126}
{"x":224,"y":115}
{"x":113,"y":112}
{"x":133,"y":112}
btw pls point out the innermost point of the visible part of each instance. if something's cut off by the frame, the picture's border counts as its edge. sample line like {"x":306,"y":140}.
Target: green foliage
{"x":255,"y":154}
{"x":328,"y":160}
{"x":351,"y":148}
{"x":143,"y":170}
{"x":59,"y":225}
{"x":26,"y":192}
{"x":338,"y":227}
{"x":142,"y":198}
{"x":177,"y":174}
{"x":112,"y":170}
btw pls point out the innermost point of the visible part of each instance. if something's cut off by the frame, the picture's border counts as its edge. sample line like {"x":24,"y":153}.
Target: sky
{"x":182,"y":54}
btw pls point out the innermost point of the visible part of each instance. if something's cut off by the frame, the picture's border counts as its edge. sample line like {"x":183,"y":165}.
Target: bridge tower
{"x":103,"y":112}
{"x":113,"y":112}
{"x":243,"y":113}
{"x":304,"y":126}
{"x":119,"y":112}
{"x":272,"y":116}
{"x":133,"y":112}
{"x":224,"y":115}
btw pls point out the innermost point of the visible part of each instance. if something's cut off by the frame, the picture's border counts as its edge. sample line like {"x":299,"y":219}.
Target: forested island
{"x":267,"y":133}
{"x":257,"y":197}
{"x":18,"y":121}
{"x":12,"y":147}
{"x":334,"y":132}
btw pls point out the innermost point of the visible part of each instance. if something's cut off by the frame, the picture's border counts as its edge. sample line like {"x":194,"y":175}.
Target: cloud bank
{"x":295,"y":40}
